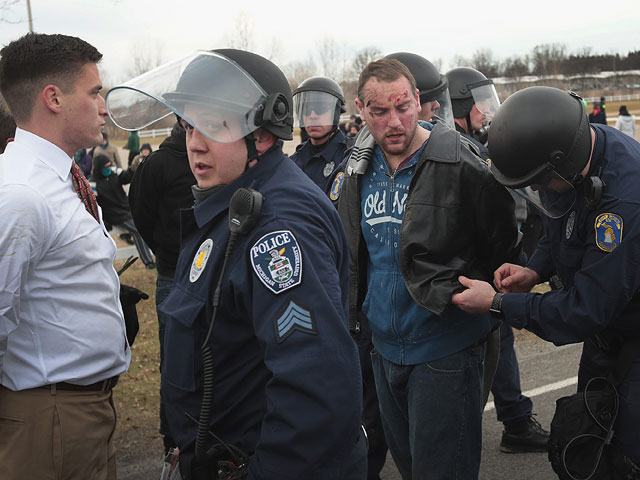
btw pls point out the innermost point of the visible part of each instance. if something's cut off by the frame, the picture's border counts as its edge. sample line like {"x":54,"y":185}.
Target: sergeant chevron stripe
{"x":294,"y":317}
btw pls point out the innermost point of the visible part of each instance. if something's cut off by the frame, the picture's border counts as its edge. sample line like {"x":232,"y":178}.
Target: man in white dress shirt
{"x":62,"y":332}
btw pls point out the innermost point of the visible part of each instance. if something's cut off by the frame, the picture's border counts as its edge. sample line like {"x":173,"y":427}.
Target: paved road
{"x":542,"y":366}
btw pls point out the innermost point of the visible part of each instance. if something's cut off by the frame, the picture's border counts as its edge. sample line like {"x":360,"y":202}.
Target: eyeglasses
{"x":318,"y":108}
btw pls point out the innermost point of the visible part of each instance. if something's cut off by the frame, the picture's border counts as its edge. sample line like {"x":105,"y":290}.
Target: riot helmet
{"x":469,"y":87}
{"x":225,"y":94}
{"x":541,"y":137}
{"x":318,"y":101}
{"x":433,"y":86}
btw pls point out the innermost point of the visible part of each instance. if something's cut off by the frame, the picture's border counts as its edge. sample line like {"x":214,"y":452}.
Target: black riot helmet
{"x":320,"y":95}
{"x":429,"y":81}
{"x":539,"y":132}
{"x":226,"y":94}
{"x":277,"y":116}
{"x":468,"y":86}
{"x":431,"y":84}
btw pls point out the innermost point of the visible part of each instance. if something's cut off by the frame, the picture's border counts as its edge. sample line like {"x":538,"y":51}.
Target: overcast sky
{"x":437,"y":30}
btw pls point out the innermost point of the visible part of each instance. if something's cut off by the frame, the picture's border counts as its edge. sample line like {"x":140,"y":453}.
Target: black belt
{"x":101,"y":386}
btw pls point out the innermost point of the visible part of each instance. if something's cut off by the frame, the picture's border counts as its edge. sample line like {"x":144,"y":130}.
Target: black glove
{"x":129,"y":297}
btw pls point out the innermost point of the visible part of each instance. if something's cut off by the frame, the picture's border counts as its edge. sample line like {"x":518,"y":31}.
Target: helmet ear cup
{"x":276,"y":109}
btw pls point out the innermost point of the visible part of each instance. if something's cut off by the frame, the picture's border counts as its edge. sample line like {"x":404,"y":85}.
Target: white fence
{"x":156,"y":132}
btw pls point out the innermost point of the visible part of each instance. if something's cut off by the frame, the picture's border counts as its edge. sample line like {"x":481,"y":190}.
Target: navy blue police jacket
{"x":287,"y":388}
{"x":321,"y":166}
{"x":595,"y":252}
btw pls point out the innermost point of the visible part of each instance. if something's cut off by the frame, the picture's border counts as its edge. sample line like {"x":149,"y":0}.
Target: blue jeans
{"x":432,"y":414}
{"x":507,"y":394}
{"x":163,"y":287}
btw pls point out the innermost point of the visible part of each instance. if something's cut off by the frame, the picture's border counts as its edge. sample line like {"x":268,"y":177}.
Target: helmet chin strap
{"x":252,"y":151}
{"x":330,"y":132}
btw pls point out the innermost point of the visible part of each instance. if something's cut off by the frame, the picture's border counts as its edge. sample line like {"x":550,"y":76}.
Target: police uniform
{"x":287,"y":386}
{"x":595,"y":251}
{"x":321,"y":166}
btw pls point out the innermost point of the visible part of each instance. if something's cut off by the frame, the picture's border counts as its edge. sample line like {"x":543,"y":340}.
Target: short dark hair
{"x":35,"y":60}
{"x":7,"y":128}
{"x":385,"y":70}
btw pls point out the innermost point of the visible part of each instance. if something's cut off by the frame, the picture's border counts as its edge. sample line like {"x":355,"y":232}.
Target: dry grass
{"x":137,"y":395}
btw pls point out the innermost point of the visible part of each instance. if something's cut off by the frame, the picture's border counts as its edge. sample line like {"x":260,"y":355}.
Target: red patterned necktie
{"x":83,"y":189}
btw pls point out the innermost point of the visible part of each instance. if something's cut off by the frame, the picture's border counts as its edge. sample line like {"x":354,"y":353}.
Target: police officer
{"x":317,"y":105}
{"x":433,"y":86}
{"x":278,"y":378}
{"x":475,"y":101}
{"x":585,"y":179}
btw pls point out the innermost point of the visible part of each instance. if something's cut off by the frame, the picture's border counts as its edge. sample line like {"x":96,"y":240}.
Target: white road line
{"x":540,"y":390}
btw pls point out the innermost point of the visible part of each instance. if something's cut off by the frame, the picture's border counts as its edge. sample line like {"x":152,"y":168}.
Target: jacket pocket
{"x":182,"y":344}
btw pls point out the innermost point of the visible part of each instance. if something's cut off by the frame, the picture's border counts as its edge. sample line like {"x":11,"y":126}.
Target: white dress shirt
{"x":60,"y":315}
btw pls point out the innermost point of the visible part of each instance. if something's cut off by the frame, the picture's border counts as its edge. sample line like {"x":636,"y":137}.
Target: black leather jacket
{"x":458,"y":221}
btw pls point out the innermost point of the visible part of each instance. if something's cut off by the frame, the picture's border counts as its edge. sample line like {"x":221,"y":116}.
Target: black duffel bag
{"x":581,"y":432}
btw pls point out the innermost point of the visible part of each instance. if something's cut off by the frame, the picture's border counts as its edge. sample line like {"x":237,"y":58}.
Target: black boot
{"x":524,"y":435}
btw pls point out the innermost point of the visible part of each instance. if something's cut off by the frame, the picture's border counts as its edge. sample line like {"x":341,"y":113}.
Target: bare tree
{"x":482,"y":60}
{"x":516,"y":67}
{"x":241,"y":37}
{"x":460,"y":61}
{"x":298,"y":71}
{"x":274,"y":49}
{"x":363,"y":58}
{"x":5,"y":10}
{"x":144,"y":58}
{"x":331,"y":58}
{"x":547,"y":59}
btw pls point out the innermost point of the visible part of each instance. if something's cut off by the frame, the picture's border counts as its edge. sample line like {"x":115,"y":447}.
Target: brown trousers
{"x":57,"y":435}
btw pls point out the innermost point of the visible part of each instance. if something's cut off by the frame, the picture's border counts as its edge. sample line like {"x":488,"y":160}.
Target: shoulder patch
{"x":293,"y":317}
{"x":334,"y":194}
{"x":608,"y":228}
{"x":200,"y":260}
{"x":277,"y":260}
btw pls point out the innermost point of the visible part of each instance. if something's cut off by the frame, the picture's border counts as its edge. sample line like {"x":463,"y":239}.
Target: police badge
{"x":608,"y":228}
{"x":277,"y":261}
{"x":200,"y":260}
{"x":328,"y":168}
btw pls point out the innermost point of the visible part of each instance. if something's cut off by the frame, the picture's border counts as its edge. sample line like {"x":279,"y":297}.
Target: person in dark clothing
{"x":317,"y":104}
{"x":84,"y":161}
{"x":584,"y":179}
{"x":160,"y":188}
{"x":7,"y":128}
{"x":598,"y":115}
{"x":113,"y":201}
{"x":475,"y":102}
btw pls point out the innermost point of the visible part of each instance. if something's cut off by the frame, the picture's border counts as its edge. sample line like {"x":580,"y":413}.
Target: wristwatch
{"x":496,"y":306}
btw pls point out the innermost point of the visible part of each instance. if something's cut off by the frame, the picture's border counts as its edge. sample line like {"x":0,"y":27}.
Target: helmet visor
{"x":207,"y":90}
{"x":315,"y":109}
{"x":444,"y":113}
{"x":553,"y":195}
{"x":486,"y":100}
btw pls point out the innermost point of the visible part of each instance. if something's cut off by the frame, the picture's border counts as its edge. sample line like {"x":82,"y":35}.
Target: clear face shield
{"x":315,"y":109}
{"x":208,"y":91}
{"x":486,"y":100}
{"x":444,"y":113}
{"x":551,"y":194}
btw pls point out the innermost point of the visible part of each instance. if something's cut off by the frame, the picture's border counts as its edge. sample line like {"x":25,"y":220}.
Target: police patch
{"x":608,"y":228}
{"x":336,"y":187}
{"x":200,"y":260}
{"x":293,"y":317}
{"x":277,"y":261}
